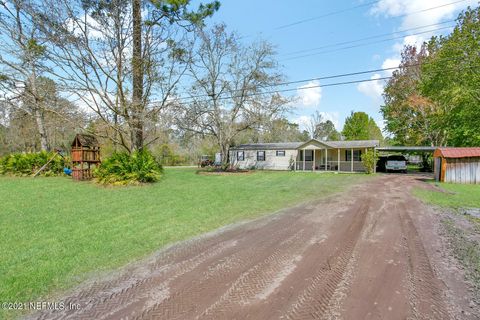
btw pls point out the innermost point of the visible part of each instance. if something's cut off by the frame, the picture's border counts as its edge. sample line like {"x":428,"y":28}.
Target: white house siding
{"x":272,"y":161}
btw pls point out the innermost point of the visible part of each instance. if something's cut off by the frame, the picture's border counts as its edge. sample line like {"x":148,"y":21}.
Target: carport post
{"x":351,"y":160}
{"x":313,"y":166}
{"x":303,"y":159}
{"x":326,"y":158}
{"x":338,"y":160}
{"x":374,"y":157}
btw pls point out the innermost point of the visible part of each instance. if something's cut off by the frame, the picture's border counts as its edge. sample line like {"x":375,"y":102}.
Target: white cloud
{"x":332,"y":116}
{"x":389,"y":63}
{"x":304,"y":122}
{"x":310,"y":94}
{"x":372,"y":89}
{"x":417,"y":13}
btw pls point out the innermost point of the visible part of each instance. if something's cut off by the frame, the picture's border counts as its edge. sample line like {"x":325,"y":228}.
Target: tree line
{"x":137,"y":73}
{"x":434,"y":97}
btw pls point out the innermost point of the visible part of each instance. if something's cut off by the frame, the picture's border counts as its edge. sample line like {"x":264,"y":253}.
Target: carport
{"x":408,"y":150}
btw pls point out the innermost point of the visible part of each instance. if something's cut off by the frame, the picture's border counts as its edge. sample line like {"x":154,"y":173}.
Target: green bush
{"x":123,"y":169}
{"x":26,"y":164}
{"x":369,"y":160}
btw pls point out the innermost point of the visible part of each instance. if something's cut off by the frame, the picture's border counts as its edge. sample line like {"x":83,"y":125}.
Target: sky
{"x":297,"y":27}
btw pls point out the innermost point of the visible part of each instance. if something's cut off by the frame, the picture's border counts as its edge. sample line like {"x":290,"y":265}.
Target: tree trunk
{"x":224,"y":148}
{"x":137,"y":76}
{"x":40,"y":120}
{"x":37,"y":113}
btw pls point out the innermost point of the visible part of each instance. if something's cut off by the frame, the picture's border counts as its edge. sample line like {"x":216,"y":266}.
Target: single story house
{"x":457,"y":165}
{"x":341,"y":156}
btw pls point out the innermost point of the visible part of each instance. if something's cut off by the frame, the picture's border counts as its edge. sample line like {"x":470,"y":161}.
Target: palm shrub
{"x":123,"y":169}
{"x":26,"y":164}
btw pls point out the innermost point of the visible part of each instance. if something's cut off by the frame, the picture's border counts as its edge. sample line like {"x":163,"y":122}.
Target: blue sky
{"x":261,"y":19}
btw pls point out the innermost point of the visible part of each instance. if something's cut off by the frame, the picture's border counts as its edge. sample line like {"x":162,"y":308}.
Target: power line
{"x":366,"y":38}
{"x":342,"y":75}
{"x":359,"y":6}
{"x":333,"y":13}
{"x":193,"y":98}
{"x":364,"y":44}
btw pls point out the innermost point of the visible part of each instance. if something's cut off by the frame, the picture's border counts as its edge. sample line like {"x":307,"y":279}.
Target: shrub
{"x":123,"y":169}
{"x":369,"y":160}
{"x":26,"y":164}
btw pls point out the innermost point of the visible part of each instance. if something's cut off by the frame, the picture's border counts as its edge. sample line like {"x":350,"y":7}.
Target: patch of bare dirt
{"x":371,"y":253}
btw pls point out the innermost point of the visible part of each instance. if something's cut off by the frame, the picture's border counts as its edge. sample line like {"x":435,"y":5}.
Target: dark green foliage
{"x":359,"y":126}
{"x":26,"y":164}
{"x":433,"y":98}
{"x":123,"y":169}
{"x":369,"y":160}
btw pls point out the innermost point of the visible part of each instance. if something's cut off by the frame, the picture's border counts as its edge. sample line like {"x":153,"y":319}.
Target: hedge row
{"x":27,"y":164}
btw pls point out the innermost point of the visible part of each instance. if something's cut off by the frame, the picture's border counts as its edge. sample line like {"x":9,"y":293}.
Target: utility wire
{"x":309,"y":80}
{"x":333,"y":13}
{"x":366,"y":38}
{"x":193,"y":98}
{"x":364,"y":44}
{"x":360,"y":6}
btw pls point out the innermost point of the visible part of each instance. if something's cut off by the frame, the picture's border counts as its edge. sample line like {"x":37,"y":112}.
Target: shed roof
{"x":457,"y":152}
{"x":86,"y":140}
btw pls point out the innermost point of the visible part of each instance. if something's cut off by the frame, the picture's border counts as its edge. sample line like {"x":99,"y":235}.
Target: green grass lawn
{"x":457,"y":195}
{"x":54,"y":232}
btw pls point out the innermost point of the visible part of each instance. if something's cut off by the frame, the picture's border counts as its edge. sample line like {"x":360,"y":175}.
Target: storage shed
{"x":85,"y":156}
{"x":457,"y":165}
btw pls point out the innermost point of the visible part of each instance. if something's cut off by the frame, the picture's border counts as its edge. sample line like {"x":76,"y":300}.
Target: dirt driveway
{"x":370,"y":253}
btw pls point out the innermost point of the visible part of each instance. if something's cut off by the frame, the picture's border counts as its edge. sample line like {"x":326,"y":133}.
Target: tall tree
{"x":359,"y":126}
{"x":275,"y":130}
{"x":62,"y":120}
{"x":326,"y":131}
{"x":231,"y":91}
{"x":451,"y":81}
{"x":122,"y":58}
{"x":413,"y":118}
{"x":433,"y":98}
{"x":22,"y":61}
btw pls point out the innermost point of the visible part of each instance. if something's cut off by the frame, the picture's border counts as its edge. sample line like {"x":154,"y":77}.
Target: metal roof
{"x":268,"y":146}
{"x":408,"y":149}
{"x":457,"y":152}
{"x":296,"y":145}
{"x":352,"y":144}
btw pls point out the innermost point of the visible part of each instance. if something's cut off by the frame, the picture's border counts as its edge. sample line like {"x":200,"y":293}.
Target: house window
{"x":260,"y":155}
{"x":280,"y":153}
{"x":308,"y":155}
{"x":357,"y":155}
{"x":240,"y":155}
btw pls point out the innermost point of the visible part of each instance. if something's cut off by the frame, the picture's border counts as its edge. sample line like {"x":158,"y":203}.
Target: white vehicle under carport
{"x":396,"y":163}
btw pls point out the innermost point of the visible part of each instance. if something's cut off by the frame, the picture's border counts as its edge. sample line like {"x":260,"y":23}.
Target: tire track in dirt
{"x":217,"y":274}
{"x":313,"y":302}
{"x":426,"y":300}
{"x":256,"y":283}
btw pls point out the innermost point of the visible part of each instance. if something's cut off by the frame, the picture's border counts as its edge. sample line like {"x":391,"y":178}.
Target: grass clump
{"x":126,"y":169}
